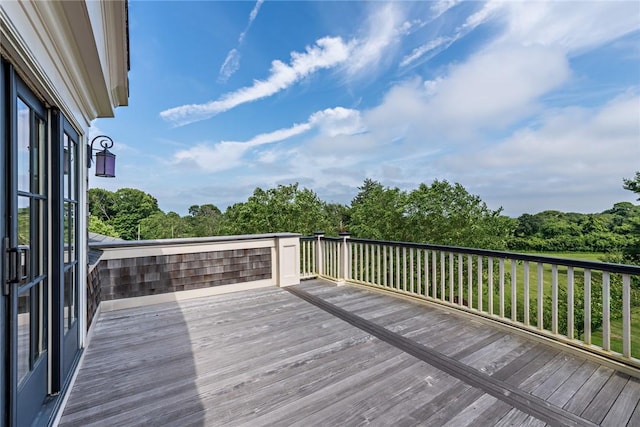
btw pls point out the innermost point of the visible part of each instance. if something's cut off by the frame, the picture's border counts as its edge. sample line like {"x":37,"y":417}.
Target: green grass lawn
{"x":596,"y":282}
{"x":585,"y":256}
{"x":616,"y":334}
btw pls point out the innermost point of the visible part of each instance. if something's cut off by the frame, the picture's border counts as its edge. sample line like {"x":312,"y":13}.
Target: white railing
{"x":590,"y":305}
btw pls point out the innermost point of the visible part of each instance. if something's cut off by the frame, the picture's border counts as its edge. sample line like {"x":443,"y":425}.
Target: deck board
{"x":267,"y":357}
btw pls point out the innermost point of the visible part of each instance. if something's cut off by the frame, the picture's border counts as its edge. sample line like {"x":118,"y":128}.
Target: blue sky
{"x":529,"y":105}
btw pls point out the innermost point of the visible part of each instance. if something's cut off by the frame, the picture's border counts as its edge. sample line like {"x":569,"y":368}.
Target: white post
{"x":345,"y":265}
{"x":319,"y":253}
{"x":288,"y":258}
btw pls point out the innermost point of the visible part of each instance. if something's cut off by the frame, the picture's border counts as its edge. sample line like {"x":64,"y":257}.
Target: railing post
{"x":319,"y":253}
{"x":287,"y":260}
{"x":345,"y":266}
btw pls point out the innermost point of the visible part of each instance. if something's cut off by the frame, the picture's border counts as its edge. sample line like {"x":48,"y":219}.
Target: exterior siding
{"x":151,"y":275}
{"x":94,"y":294}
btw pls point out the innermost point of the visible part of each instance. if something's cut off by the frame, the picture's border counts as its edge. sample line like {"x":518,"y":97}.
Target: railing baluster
{"x":626,"y":315}
{"x":480,"y":294}
{"x":332,"y":259}
{"x":443,"y":271}
{"x":418,"y":273}
{"x":490,"y":274}
{"x":398,"y":284}
{"x":570,"y":308}
{"x":363,"y":267}
{"x":514,"y":292}
{"x":356,"y":272}
{"x":540,"y":296}
{"x":433,"y":275}
{"x":501,"y":290}
{"x":587,"y":306}
{"x":411,"y":270}
{"x":451,"y":284}
{"x":391,"y":267}
{"x":460,"y":278}
{"x":367,"y":265}
{"x":554,"y":298}
{"x":606,"y":312}
{"x":526,"y":293}
{"x":404,"y":269}
{"x":384,"y":267}
{"x":378,"y":262}
{"x":304,"y":258}
{"x":469,"y":280}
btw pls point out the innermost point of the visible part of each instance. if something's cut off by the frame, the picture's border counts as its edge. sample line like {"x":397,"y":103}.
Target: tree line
{"x":439,"y":213}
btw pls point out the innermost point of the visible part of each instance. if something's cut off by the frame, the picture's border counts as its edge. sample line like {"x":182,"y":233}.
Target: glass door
{"x":68,"y":227}
{"x":25,"y":259}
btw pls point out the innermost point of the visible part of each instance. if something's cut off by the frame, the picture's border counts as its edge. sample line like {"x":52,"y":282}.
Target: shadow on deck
{"x":326,"y":355}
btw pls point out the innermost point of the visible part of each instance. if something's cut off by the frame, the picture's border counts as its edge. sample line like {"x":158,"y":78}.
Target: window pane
{"x":39,"y":319}
{"x":38,"y":244}
{"x":24,"y":137}
{"x":73,"y":150}
{"x":24,"y":221}
{"x":70,"y":309}
{"x":66,"y":159}
{"x":24,"y":334}
{"x":67,"y":235}
{"x":39,"y":159}
{"x":72,"y":231}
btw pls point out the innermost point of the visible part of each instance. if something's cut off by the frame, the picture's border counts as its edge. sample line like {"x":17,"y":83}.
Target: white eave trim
{"x":74,"y":53}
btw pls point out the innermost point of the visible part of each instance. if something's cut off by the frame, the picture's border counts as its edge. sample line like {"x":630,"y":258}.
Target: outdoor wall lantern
{"x":105,"y":160}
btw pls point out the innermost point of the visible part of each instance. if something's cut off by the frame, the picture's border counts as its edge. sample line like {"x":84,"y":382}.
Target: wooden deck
{"x":334,"y":356}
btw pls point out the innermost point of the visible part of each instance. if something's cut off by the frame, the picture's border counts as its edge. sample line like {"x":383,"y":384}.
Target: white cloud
{"x":574,"y":151}
{"x":497,"y":86}
{"x":337,"y":121}
{"x":228,"y":154}
{"x":252,"y":17}
{"x":562,"y":23}
{"x":558,"y":24}
{"x":385,"y":26}
{"x":422,"y":50}
{"x":230,"y":65}
{"x":231,"y":62}
{"x":433,"y":47}
{"x":326,"y":53}
{"x":489,"y":92}
{"x":441,"y":6}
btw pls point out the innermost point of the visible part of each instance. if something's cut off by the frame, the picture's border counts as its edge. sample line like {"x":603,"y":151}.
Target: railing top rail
{"x":592,"y":265}
{"x":187,"y":240}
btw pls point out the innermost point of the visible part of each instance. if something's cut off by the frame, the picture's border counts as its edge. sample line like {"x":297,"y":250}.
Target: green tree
{"x":338,"y":216}
{"x":631,"y":253}
{"x":164,"y":226}
{"x":102,"y":203}
{"x":123,"y":209}
{"x":378,"y":213}
{"x":633,"y":184}
{"x":447,"y":214}
{"x":285,"y":208}
{"x":528,"y":225}
{"x":97,"y":225}
{"x":205,"y":220}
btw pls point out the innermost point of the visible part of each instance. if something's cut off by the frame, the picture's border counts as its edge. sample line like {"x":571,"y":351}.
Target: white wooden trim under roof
{"x":73,"y":54}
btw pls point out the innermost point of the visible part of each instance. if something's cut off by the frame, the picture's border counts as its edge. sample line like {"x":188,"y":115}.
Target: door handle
{"x":18,"y":263}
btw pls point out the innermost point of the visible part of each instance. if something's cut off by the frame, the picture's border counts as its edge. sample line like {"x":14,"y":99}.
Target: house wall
{"x":74,"y":56}
{"x":157,"y":274}
{"x":70,"y":58}
{"x":94,"y":295}
{"x":130,"y":273}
